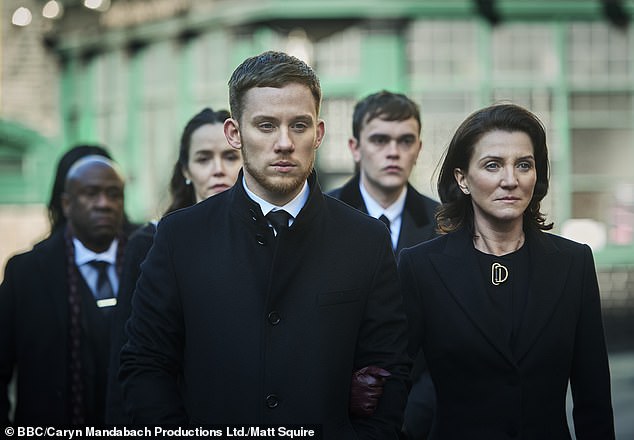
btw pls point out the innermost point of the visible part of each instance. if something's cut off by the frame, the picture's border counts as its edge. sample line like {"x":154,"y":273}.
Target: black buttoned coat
{"x":486,"y":389}
{"x":263,"y":329}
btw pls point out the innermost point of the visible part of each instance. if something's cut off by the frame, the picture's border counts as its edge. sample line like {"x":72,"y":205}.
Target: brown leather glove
{"x":366,"y":389}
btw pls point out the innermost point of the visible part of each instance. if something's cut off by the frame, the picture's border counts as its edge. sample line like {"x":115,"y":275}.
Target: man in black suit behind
{"x":255,"y":306}
{"x":55,"y":305}
{"x":385,"y":145}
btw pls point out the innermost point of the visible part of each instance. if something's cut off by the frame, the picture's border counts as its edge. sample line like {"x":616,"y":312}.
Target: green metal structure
{"x":132,"y":88}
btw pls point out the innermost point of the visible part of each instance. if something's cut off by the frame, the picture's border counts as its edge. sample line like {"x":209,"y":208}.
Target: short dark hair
{"x":456,"y":210}
{"x":55,"y":213}
{"x":183,"y":195}
{"x":386,"y":105}
{"x":270,"y":69}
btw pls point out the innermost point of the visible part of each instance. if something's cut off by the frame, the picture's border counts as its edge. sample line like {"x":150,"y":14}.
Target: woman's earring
{"x":465,"y":190}
{"x":188,"y":182}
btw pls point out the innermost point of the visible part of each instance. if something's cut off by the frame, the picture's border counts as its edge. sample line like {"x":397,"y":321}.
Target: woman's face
{"x":501,"y":177}
{"x":213,"y":164}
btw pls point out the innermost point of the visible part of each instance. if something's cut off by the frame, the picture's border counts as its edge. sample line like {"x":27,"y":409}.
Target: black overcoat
{"x":34,"y":336}
{"x":263,"y":329}
{"x":486,"y":390}
{"x":418,"y":225}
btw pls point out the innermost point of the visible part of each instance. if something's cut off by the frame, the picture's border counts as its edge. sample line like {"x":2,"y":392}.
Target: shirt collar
{"x":293,"y":207}
{"x":375,"y":210}
{"x":83,"y":255}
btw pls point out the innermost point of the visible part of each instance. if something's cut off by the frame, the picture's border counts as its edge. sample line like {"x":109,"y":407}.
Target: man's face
{"x":279,"y":134}
{"x":386,"y":152}
{"x":93,"y":205}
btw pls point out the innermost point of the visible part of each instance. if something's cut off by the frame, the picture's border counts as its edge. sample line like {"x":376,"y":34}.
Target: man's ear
{"x":232,"y":133}
{"x":355,"y":149}
{"x":321,"y":132}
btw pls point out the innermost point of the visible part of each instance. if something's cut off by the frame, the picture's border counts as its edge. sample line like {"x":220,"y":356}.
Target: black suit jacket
{"x":485,"y":391}
{"x":264,"y":329}
{"x":418,"y":224}
{"x":34,"y":333}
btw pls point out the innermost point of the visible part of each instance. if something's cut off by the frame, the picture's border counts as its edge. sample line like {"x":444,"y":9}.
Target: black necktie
{"x":278,"y":219}
{"x":104,"y":293}
{"x":385,"y":220}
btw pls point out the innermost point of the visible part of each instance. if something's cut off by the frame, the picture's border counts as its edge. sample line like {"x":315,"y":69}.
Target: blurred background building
{"x":129,"y":73}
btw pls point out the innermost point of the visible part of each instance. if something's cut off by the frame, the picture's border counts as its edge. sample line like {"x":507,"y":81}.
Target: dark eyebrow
{"x":529,"y":157}
{"x":263,"y":118}
{"x":379,"y":136}
{"x":303,"y":118}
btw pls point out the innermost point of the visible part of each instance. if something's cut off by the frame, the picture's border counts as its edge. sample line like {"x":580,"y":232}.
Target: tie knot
{"x":385,"y":220}
{"x":101,"y":266}
{"x":278,"y":219}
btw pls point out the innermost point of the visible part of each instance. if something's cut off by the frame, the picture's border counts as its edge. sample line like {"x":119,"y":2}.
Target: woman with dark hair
{"x":206,"y":165}
{"x":202,"y":145}
{"x":506,"y":314}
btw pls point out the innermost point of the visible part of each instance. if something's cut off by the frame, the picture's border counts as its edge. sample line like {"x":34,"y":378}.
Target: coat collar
{"x":414,"y":204}
{"x":248,"y":209}
{"x":351,"y":195}
{"x":549,"y":271}
{"x":291,"y":245}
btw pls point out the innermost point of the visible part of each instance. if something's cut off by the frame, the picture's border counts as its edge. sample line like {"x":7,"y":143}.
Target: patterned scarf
{"x":76,"y":384}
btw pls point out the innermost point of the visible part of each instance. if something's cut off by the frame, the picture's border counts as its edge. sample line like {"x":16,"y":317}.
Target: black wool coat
{"x":231,"y":325}
{"x":34,"y":337}
{"x":486,"y":389}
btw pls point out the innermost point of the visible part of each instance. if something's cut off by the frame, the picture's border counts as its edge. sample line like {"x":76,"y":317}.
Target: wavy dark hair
{"x":456,"y":210}
{"x":183,"y":195}
{"x":55,"y":214}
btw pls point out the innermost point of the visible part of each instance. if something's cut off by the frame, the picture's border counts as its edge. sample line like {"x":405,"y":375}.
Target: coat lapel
{"x":410,"y":233}
{"x":550,"y":270}
{"x":351,"y":195}
{"x":459,"y":270}
{"x":413,"y":233}
{"x":296,"y":245}
{"x":53,"y":267}
{"x":417,"y":221}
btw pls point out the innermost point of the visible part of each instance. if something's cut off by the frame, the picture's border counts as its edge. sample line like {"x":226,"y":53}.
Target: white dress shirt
{"x":83,"y":257}
{"x":293,"y":207}
{"x":394,"y":212}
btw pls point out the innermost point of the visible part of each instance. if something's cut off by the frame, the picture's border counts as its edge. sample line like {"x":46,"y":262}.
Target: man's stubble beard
{"x":286,"y":186}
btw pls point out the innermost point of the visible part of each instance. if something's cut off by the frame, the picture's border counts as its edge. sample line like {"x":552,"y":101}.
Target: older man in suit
{"x":255,"y":306}
{"x":385,"y":145}
{"x":55,"y":305}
